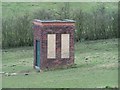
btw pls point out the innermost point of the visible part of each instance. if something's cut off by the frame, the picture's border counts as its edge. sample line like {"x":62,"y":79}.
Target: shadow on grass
{"x":74,"y":66}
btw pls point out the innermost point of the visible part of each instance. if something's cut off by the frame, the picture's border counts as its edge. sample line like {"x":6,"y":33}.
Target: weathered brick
{"x":40,"y":33}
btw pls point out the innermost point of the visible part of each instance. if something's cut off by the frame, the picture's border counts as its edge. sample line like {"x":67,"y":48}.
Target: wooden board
{"x":65,"y":45}
{"x":51,"y":49}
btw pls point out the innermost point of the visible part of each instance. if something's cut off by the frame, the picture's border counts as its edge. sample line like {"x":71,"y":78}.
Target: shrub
{"x":99,"y":24}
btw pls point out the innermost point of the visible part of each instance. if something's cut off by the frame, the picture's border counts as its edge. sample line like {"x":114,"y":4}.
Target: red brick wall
{"x":40,"y":33}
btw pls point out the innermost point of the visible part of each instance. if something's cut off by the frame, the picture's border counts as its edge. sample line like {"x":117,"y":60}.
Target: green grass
{"x":101,"y":70}
{"x":19,"y":8}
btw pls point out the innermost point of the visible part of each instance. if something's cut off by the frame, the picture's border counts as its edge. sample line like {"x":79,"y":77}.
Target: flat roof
{"x":65,"y":20}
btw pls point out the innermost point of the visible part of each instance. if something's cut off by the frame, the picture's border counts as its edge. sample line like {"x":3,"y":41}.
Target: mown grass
{"x":96,"y":67}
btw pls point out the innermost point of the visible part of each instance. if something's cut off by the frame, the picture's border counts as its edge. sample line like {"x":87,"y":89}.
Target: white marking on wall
{"x":51,"y":49}
{"x":65,"y":45}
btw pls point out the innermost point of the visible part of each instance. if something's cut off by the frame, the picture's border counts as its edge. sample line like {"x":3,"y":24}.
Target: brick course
{"x":40,"y":33}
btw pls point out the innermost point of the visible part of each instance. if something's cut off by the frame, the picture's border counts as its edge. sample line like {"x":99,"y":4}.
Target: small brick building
{"x":53,"y":43}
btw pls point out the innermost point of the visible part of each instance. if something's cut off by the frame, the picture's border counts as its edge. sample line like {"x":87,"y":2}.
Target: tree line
{"x":97,"y":24}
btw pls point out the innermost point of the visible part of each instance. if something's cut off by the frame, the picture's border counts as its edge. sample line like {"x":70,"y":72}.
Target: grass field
{"x":100,"y":70}
{"x":15,"y":9}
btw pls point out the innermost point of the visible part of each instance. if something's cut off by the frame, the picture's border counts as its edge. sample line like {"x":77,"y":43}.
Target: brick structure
{"x":53,"y":43}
